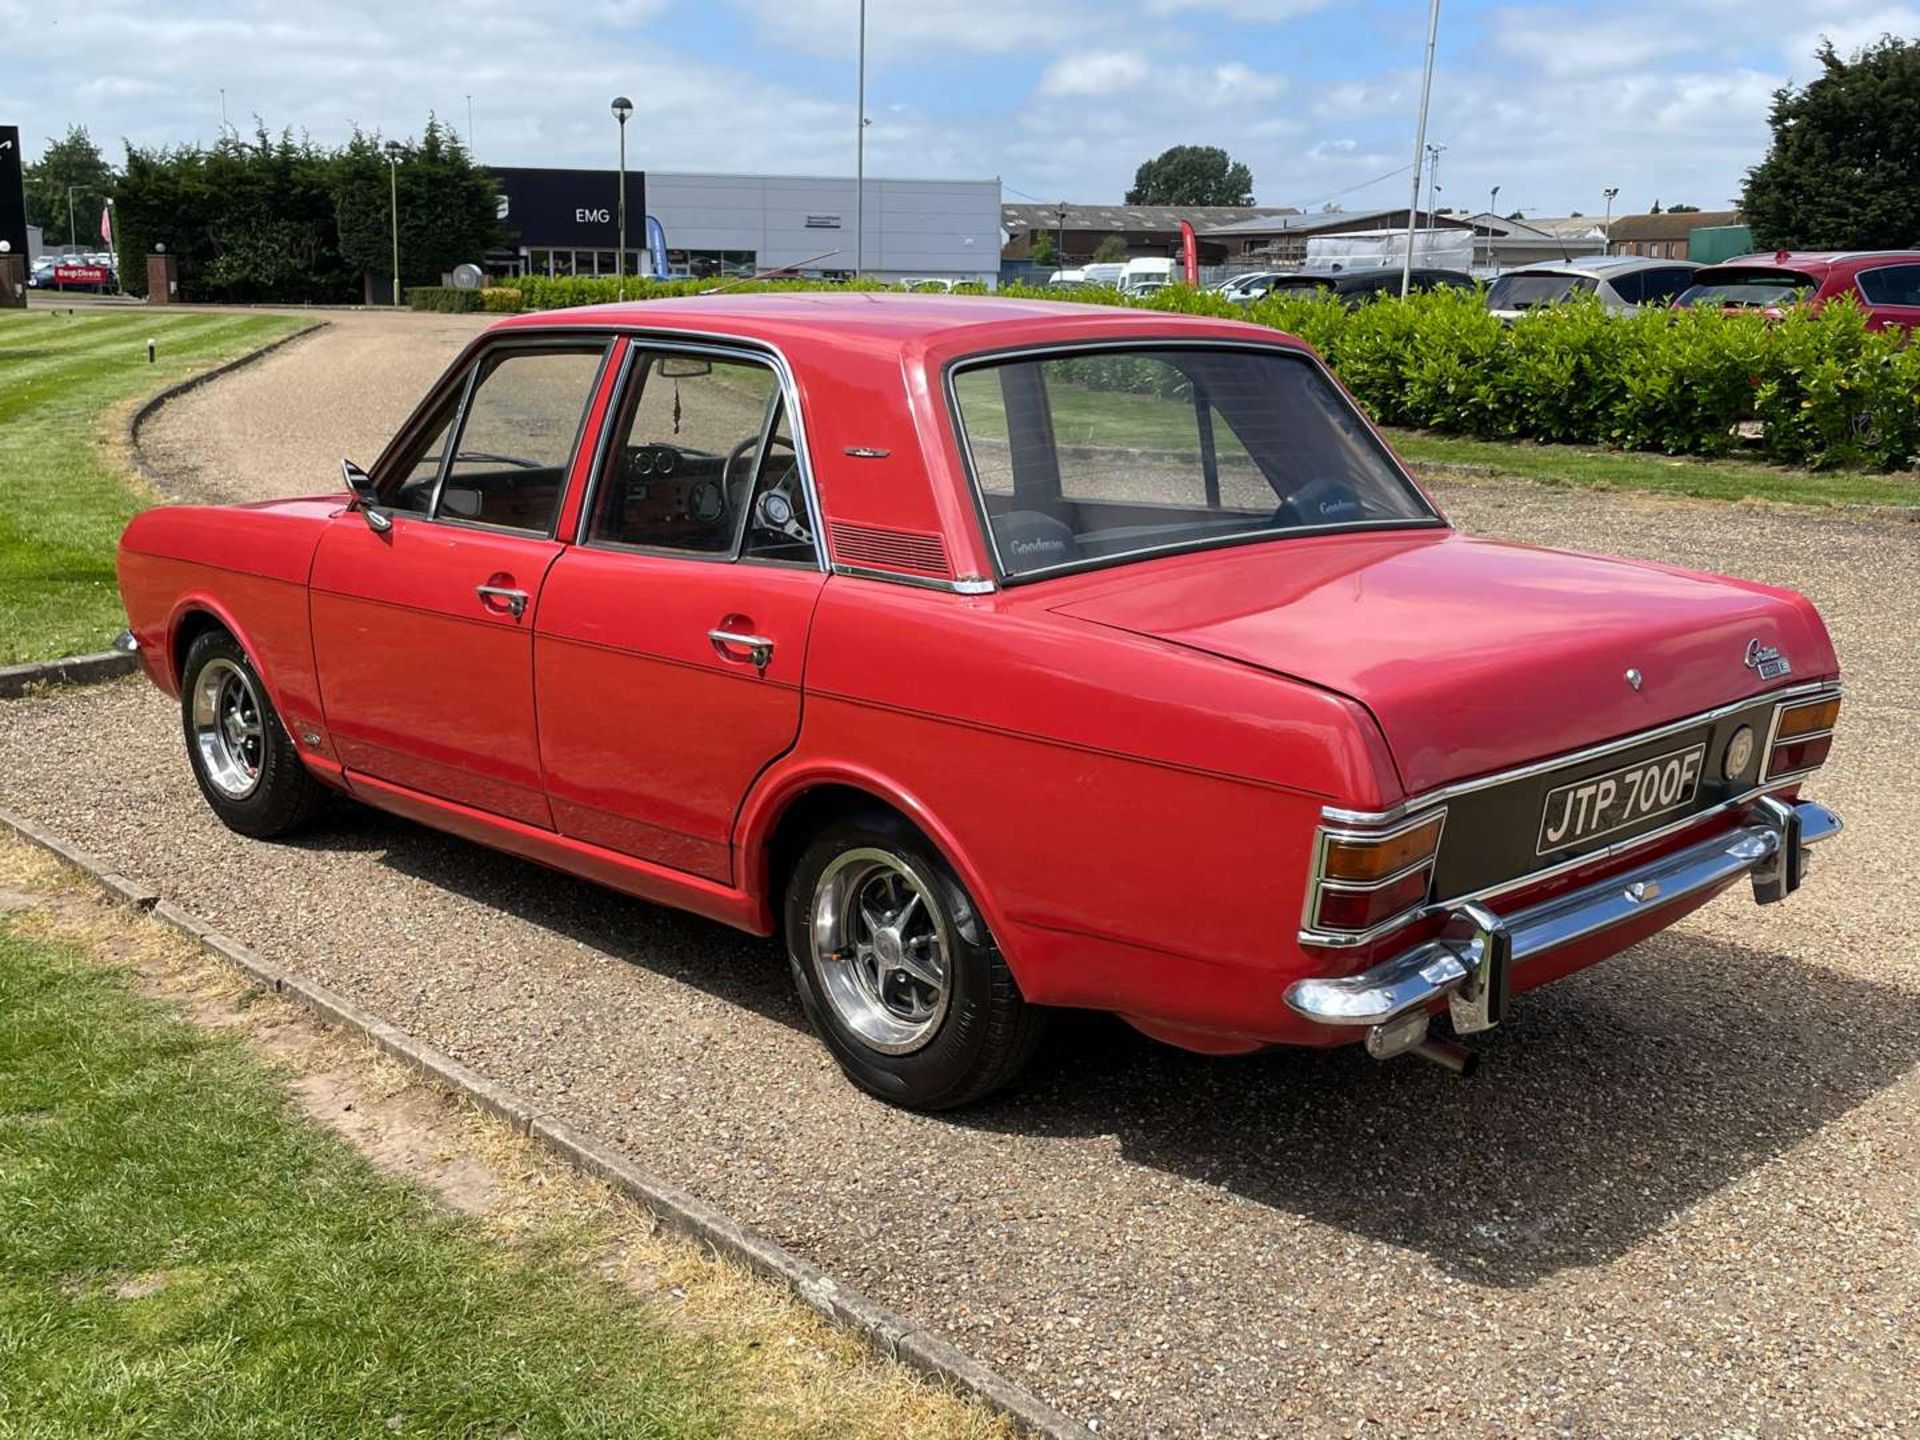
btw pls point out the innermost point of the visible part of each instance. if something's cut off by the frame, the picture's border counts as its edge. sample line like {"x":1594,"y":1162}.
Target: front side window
{"x":1891,"y":285}
{"x":683,"y":476}
{"x":1086,"y":458}
{"x":517,"y":434}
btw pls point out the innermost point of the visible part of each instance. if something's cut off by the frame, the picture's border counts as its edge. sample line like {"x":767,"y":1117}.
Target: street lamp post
{"x":1060,"y":238}
{"x":1606,"y":235}
{"x":73,"y":234}
{"x":393,"y":189}
{"x":860,"y":154}
{"x":1420,"y":145}
{"x":622,"y":108}
{"x":1493,"y":214}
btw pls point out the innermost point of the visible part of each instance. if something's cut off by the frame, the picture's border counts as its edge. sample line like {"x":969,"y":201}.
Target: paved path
{"x":1681,"y":1197}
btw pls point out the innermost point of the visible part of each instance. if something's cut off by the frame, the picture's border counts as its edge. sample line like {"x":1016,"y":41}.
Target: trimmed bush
{"x":443,"y":298}
{"x":1825,"y":391}
{"x":502,"y":300}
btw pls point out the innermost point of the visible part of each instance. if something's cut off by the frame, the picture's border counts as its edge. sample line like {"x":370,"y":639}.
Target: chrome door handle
{"x":516,"y":600}
{"x":758,"y":647}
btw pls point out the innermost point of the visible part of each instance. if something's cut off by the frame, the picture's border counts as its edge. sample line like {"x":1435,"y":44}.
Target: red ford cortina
{"x":1000,"y":656}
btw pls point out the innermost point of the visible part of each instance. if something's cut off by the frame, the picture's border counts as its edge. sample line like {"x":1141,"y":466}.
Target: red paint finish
{"x":1125,"y":767}
{"x":1836,"y":275}
{"x":650,"y":732}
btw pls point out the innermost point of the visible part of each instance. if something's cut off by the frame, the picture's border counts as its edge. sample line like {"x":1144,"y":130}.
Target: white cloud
{"x":1250,"y":12}
{"x":917,"y":28}
{"x":1099,"y":72}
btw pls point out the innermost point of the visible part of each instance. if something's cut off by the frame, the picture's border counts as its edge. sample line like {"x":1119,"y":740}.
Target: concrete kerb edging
{"x":17,"y":680}
{"x":888,"y":1333}
{"x":152,"y":405}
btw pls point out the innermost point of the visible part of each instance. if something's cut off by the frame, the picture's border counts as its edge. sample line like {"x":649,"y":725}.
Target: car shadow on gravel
{"x":1609,"y":1103}
{"x":731,"y":966}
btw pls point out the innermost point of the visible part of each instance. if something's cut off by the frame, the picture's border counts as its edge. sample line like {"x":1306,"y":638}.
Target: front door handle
{"x":514,"y":600}
{"x":758,"y":647}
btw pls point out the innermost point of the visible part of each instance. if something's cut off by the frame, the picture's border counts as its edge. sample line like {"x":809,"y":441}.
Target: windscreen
{"x":1523,"y":292}
{"x":1088,"y":458}
{"x":1749,"y":289}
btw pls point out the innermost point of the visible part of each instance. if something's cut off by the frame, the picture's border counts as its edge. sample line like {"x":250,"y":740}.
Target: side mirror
{"x":365,"y":498}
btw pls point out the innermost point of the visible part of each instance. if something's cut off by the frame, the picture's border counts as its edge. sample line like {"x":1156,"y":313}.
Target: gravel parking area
{"x":1682,"y":1196}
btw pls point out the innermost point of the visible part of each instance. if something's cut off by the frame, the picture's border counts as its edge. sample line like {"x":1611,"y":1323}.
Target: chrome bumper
{"x":1472,"y":961}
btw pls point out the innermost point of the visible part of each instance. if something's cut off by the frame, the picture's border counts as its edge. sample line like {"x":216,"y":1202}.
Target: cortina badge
{"x":1766,"y":661}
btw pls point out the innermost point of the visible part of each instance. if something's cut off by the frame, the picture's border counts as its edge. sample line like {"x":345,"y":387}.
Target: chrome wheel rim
{"x":229,"y":728}
{"x":881,"y":948}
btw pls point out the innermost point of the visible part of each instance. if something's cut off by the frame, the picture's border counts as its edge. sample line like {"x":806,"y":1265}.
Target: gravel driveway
{"x":1682,"y":1196}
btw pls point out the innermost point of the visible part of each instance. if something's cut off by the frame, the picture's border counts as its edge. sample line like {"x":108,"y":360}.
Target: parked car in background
{"x":1237,"y":287}
{"x":1356,"y":287}
{"x":1067,"y":279}
{"x":997,"y":657}
{"x":1883,"y":283}
{"x":1622,"y":282}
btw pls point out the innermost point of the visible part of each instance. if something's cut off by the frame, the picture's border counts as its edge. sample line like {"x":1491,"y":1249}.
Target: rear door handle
{"x":758,"y":647}
{"x":514,"y":600}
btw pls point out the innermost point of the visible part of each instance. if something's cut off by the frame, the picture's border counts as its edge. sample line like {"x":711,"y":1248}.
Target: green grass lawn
{"x":1658,"y":474}
{"x":64,"y":496}
{"x":183,"y":1255}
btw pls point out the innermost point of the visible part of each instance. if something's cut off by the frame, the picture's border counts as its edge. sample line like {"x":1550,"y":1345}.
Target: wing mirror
{"x":365,"y":498}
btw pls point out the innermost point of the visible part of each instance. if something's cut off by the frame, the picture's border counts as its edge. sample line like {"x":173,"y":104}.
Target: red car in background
{"x":1883,"y":283}
{"x":999,"y":655}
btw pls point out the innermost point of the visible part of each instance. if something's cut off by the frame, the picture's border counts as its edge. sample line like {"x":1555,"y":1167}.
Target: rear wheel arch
{"x":188,"y":627}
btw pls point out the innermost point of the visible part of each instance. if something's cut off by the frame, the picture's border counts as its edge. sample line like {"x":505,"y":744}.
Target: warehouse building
{"x":565,"y":222}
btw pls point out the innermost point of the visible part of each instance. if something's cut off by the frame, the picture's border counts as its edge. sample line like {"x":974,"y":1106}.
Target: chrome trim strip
{"x":1419,"y":976}
{"x":1573,"y":757}
{"x":1334,"y":939}
{"x":967,"y":586}
{"x":1773,"y":729}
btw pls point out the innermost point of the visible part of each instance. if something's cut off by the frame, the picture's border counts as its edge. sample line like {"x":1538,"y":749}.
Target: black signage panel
{"x":13,"y":194}
{"x":571,"y":209}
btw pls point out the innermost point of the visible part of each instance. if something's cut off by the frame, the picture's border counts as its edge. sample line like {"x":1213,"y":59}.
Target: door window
{"x":517,"y":436}
{"x":684,"y":475}
{"x":1891,"y":285}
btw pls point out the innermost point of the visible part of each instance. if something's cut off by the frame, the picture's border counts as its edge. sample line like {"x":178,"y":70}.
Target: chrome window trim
{"x":966,"y":585}
{"x":1318,"y":881}
{"x":724,"y":348}
{"x":1334,"y":939}
{"x":1340,"y":816}
{"x":1253,"y":344}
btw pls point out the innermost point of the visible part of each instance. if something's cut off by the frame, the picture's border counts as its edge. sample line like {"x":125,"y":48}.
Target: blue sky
{"x":1059,"y":98}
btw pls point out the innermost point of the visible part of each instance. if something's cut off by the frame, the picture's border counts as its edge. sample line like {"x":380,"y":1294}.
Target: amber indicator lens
{"x":1377,"y":859}
{"x":1363,"y":909}
{"x":1806,"y":719}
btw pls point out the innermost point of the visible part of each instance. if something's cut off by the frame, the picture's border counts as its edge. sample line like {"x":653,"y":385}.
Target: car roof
{"x":1818,"y":261}
{"x":1601,"y":266}
{"x":890,"y":318}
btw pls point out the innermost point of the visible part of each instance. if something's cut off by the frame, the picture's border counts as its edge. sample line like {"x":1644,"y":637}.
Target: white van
{"x":1152,"y":271}
{"x":1103,"y":274}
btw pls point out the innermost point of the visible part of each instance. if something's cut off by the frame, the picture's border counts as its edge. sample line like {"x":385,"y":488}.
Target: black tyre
{"x":241,"y":754}
{"x":897,"y":971}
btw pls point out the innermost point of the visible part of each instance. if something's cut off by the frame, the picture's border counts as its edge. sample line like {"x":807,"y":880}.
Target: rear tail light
{"x":1802,"y":736}
{"x":1365,"y":879}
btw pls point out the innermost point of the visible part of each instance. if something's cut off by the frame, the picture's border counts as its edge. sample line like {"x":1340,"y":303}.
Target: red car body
{"x":1137,"y":770}
{"x":1885,"y":284}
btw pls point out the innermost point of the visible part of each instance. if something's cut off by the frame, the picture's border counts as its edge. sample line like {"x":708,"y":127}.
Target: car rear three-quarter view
{"x":1000,"y":656}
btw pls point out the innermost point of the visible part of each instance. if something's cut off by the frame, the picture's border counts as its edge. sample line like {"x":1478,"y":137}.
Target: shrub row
{"x":1819,"y":391}
{"x":445,"y":298}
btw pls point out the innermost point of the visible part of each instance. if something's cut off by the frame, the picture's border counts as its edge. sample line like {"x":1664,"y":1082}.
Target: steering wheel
{"x":774,"y":510}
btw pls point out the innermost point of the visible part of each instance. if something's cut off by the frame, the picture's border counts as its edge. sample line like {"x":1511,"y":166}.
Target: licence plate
{"x":1601,"y":804}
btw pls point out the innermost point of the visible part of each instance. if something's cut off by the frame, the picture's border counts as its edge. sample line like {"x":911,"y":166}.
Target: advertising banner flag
{"x":1189,"y":254}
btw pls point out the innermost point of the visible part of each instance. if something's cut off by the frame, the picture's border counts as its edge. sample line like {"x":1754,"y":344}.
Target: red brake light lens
{"x":1354,"y":910}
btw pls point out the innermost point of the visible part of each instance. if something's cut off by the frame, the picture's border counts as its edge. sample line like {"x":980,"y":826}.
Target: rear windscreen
{"x":1523,"y":292}
{"x":1748,"y":289}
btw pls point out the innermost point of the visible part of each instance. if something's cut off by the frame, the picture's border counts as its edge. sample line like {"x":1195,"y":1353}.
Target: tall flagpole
{"x":1420,"y":147}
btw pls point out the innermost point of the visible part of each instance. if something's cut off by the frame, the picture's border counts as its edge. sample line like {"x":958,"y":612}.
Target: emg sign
{"x":569,"y":209}
{"x":583,"y":216}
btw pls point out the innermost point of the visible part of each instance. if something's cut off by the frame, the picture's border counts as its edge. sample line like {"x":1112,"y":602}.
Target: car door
{"x":1892,"y":293}
{"x":672,"y":638}
{"x":423,"y":630}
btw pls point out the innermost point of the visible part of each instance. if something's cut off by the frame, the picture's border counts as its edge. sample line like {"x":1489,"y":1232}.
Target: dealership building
{"x":566,"y":222}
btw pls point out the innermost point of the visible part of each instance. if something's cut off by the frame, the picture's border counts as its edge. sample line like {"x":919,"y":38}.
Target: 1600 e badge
{"x":1601,"y":804}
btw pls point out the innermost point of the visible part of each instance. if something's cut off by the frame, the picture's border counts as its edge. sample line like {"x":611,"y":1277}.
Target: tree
{"x":1683,"y":209}
{"x":1840,"y":174}
{"x":1110,"y":251}
{"x":72,"y":162}
{"x":1041,"y":249}
{"x":1192,"y":175}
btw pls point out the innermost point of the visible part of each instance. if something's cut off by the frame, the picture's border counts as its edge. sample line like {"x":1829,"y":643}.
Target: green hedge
{"x":1818,"y":391}
{"x":445,"y":298}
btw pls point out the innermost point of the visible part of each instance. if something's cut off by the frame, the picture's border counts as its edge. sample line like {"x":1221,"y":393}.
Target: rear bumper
{"x":1471,"y":964}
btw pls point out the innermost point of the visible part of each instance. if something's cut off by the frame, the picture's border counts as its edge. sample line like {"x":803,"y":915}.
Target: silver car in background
{"x":1624,"y":283}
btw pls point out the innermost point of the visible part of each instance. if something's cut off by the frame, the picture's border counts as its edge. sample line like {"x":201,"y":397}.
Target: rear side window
{"x":1660,"y":286}
{"x":1891,"y":285}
